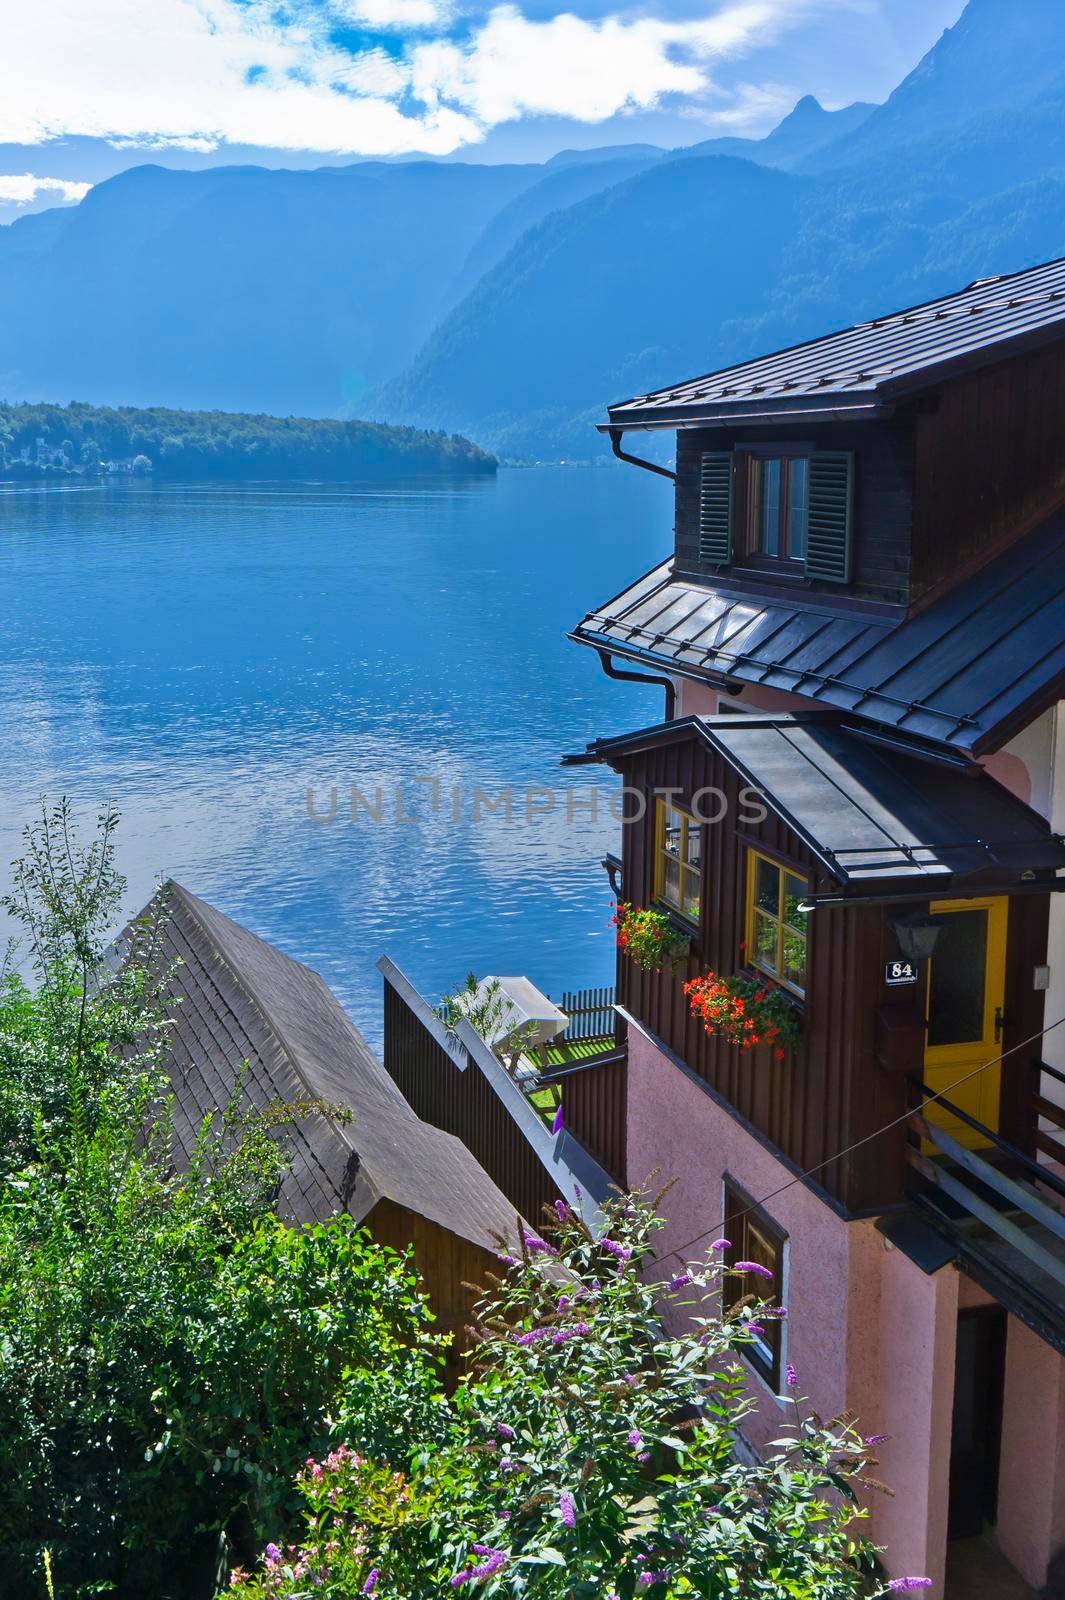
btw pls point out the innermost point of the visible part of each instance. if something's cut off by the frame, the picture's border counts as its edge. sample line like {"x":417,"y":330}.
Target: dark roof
{"x":239,"y":999}
{"x":860,"y":369}
{"x":965,"y":672}
{"x":878,"y":820}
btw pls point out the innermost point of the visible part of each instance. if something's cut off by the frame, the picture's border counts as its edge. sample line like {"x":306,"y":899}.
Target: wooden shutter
{"x":828,"y":536}
{"x":715,"y":507}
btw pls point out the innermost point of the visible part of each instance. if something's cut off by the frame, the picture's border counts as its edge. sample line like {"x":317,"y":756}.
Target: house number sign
{"x":899,"y":972}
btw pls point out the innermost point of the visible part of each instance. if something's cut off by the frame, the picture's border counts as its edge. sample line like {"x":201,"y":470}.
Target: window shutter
{"x":828,"y":537}
{"x":715,"y":507}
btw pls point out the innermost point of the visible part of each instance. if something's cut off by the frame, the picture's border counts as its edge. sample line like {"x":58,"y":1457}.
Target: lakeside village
{"x":835,"y":1027}
{"x":42,"y":460}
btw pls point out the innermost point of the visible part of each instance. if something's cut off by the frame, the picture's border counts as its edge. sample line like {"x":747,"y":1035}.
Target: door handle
{"x":1000,"y":1023}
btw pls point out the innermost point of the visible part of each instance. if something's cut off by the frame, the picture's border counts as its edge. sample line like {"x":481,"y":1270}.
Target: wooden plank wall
{"x":814,"y":1104}
{"x":446,"y":1264}
{"x":990,"y":463}
{"x":883,"y":503}
{"x":463,"y":1103}
{"x":593,"y":1106}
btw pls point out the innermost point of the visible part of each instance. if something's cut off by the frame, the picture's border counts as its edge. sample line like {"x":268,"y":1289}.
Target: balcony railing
{"x":1003,"y":1211}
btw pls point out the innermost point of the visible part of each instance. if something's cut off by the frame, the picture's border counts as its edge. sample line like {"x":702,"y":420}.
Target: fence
{"x":590,"y":1012}
{"x":461,"y":1087}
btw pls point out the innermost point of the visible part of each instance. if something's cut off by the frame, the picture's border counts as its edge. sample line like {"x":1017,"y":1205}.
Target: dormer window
{"x":778,"y":508}
{"x":787,"y":511}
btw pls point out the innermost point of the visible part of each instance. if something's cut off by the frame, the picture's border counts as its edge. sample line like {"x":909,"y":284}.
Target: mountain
{"x":999,"y":55}
{"x":561,"y":186}
{"x":607,"y":152}
{"x":804,"y":131}
{"x":240,"y":288}
{"x":704,"y":260}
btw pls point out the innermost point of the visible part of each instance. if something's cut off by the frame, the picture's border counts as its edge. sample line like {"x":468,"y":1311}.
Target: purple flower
{"x":539,"y":1247}
{"x":721,"y":1244}
{"x":630,"y":1380}
{"x":561,"y":1210}
{"x":904,"y":1585}
{"x":679,"y":1281}
{"x":579,"y":1330}
{"x":876,"y":1438}
{"x":644,"y":1456}
{"x":273,"y":1555}
{"x":792,"y":1376}
{"x":532,"y":1336}
{"x":371,"y":1582}
{"x":504,"y":1430}
{"x":753,"y":1266}
{"x":566,"y":1509}
{"x":753,"y":1328}
{"x":576,"y":1191}
{"x":495,"y":1559}
{"x":622,"y":1252}
{"x":564,"y":1301}
{"x":508,"y":1464}
{"x":556,"y":1127}
{"x":508,"y":1261}
{"x":635,"y":1438}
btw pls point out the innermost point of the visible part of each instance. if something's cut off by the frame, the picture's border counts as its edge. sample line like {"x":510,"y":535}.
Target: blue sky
{"x":87,"y":90}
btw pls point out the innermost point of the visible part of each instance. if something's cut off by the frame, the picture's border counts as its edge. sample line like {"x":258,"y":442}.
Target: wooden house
{"x":244,"y":1010}
{"x":856,"y":799}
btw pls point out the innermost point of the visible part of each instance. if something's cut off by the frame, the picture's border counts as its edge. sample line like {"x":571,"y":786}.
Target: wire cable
{"x":801,"y":1177}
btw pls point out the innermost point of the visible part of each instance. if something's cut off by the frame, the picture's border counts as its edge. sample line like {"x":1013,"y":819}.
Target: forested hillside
{"x":512,"y":303}
{"x":206,"y":444}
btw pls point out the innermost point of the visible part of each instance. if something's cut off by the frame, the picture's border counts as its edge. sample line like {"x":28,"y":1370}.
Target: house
{"x":246,"y":1018}
{"x":856,"y":799}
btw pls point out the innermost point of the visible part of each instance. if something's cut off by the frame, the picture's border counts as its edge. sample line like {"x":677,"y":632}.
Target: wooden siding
{"x":593,"y":1107}
{"x":816,"y":1102}
{"x":883,"y":497}
{"x":463,"y":1103}
{"x":446,"y":1265}
{"x":990,"y":464}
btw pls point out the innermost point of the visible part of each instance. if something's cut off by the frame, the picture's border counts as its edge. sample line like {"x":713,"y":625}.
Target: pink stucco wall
{"x":1031,"y":1496}
{"x":866,"y":1329}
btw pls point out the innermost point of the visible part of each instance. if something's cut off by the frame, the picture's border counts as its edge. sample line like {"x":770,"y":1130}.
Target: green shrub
{"x":591,"y":1454}
{"x":169,"y":1352}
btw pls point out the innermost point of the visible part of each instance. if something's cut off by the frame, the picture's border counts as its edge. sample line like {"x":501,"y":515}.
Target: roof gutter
{"x":723,"y":417}
{"x":634,"y":461}
{"x":620,"y":676}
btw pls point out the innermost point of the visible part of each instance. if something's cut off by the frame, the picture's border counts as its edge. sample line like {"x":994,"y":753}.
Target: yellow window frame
{"x":689,"y":879}
{"x":756,"y":915}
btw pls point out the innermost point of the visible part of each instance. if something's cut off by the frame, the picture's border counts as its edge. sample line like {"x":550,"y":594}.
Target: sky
{"x":87,"y":90}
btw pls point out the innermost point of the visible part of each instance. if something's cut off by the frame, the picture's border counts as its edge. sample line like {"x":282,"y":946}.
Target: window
{"x":789,"y":511}
{"x":778,"y":508}
{"x":755,"y":1237}
{"x":678,"y":860}
{"x":776,"y":928}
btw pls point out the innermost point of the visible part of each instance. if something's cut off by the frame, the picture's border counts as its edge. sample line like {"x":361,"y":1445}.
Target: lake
{"x":205,"y":655}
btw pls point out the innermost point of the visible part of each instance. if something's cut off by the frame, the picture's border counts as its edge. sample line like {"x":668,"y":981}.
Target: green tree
{"x":591,"y":1455}
{"x":169,"y":1352}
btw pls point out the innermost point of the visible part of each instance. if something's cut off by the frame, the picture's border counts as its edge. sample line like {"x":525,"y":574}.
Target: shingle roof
{"x":965,"y":672}
{"x":238,"y":999}
{"x":877,"y":819}
{"x":857,"y":370}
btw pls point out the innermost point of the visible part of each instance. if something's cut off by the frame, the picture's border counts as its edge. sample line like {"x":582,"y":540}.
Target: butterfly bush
{"x":590,"y":1454}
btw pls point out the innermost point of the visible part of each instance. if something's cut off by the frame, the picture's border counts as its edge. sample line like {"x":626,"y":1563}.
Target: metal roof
{"x":859,"y":370}
{"x":237,"y":999}
{"x":965,"y":673}
{"x":877,"y":820}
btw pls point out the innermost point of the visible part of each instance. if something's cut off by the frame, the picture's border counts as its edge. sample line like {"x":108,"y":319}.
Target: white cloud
{"x":21,"y":189}
{"x":198,"y":73}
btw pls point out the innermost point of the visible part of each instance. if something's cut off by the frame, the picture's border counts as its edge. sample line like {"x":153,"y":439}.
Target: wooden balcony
{"x":1001,"y":1209}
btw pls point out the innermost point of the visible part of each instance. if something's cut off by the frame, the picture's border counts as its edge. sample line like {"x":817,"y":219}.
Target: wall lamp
{"x":918,"y":935}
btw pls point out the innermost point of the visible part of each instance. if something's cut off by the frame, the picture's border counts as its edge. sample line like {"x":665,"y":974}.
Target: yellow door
{"x":966,"y":993}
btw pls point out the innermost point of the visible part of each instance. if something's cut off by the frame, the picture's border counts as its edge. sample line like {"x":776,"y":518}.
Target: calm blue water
{"x":202,"y":655}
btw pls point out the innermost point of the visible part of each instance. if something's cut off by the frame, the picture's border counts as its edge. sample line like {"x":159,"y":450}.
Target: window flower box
{"x":746,"y":1012}
{"x":650,"y":938}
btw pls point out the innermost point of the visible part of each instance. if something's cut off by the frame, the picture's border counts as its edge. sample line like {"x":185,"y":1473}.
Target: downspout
{"x":637,"y":461}
{"x":621,"y":676}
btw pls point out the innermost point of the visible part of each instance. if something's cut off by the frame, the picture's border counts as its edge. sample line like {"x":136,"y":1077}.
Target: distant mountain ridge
{"x":512,"y":303}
